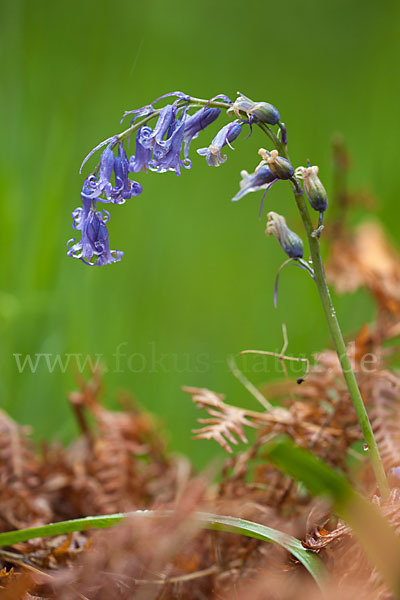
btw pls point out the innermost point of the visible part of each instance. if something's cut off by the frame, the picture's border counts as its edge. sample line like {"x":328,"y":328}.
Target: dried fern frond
{"x":320,"y":537}
{"x":308,"y":423}
{"x":21,"y":504}
{"x":345,"y":556}
{"x":108,"y":477}
{"x":118,"y":464}
{"x":364,"y":257}
{"x":383,"y":391}
{"x":17,"y":458}
{"x":226,"y":421}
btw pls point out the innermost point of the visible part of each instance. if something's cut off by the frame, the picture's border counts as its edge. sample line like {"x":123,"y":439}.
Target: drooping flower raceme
{"x":159,"y":149}
{"x":160,"y":140}
{"x":223,"y":138}
{"x":163,"y":137}
{"x":124,"y":187}
{"x":196,"y":122}
{"x":169,"y":158}
{"x":143,"y":153}
{"x":102,"y":184}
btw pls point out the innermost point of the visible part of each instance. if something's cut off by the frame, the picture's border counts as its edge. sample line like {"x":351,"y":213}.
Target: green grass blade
{"x":9,"y":538}
{"x":207,"y":521}
{"x":261,"y":532}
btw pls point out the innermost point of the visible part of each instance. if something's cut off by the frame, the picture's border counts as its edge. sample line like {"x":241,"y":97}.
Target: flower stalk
{"x":339,"y":344}
{"x":333,"y":324}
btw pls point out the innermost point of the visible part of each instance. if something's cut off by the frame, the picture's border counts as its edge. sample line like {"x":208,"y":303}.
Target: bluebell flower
{"x":225,"y":136}
{"x":166,"y":142}
{"x":86,"y":196}
{"x":124,"y":188}
{"x":94,"y":239}
{"x":101,"y":184}
{"x":165,"y":126}
{"x":143,"y":153}
{"x":196,"y":122}
{"x":171,"y":160}
{"x":106,"y":256}
{"x":260,"y":180}
{"x":79,"y":215}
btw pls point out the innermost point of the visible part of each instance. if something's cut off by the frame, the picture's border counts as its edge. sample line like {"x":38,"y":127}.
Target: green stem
{"x":274,"y":139}
{"x":340,"y":347}
{"x":336,"y":333}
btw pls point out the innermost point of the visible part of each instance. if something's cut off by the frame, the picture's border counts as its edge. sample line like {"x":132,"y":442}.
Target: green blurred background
{"x":197,"y":278}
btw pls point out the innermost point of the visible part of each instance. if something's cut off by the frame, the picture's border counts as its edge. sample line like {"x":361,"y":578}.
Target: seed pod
{"x":313,"y":187}
{"x":291,"y":243}
{"x":263,"y":111}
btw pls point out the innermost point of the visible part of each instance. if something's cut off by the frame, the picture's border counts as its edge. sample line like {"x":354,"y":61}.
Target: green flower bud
{"x":280,"y":167}
{"x":291,"y":243}
{"x":313,"y":187}
{"x":264,"y":112}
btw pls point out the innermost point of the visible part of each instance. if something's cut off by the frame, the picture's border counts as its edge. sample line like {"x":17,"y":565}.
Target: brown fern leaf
{"x":320,"y":537}
{"x":17,"y":458}
{"x":345,"y":557}
{"x":5,"y":576}
{"x":383,"y":391}
{"x":325,"y":418}
{"x":226,"y":421}
{"x":253,"y":489}
{"x":364,"y":257}
{"x":21,"y":504}
{"x":97,"y":467}
{"x":19,"y":586}
{"x":105,"y":473}
{"x":328,"y":427}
